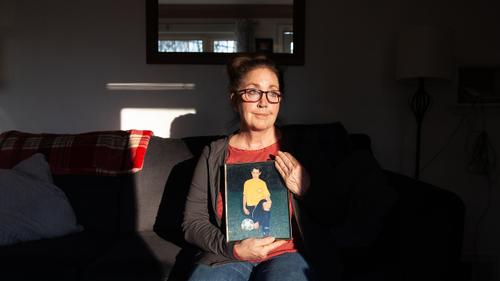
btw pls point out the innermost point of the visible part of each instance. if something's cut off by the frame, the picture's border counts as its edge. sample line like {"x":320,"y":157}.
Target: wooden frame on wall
{"x":478,"y":84}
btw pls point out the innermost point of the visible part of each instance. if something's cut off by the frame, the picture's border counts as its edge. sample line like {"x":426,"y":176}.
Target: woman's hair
{"x":240,"y":65}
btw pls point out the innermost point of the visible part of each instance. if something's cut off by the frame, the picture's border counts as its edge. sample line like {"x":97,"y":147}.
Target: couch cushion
{"x":144,"y":256}
{"x":31,"y":207}
{"x":59,"y":258}
{"x":130,"y":203}
{"x":431,"y":220}
{"x":140,"y":202}
{"x":171,"y":209}
{"x":95,"y":199}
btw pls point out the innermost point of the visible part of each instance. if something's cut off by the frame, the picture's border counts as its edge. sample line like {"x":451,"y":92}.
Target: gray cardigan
{"x":201,"y":226}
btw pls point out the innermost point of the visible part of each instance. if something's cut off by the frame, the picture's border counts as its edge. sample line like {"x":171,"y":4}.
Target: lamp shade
{"x":424,"y":52}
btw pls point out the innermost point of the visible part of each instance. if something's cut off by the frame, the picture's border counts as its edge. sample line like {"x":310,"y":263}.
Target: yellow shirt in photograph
{"x":254,"y":191}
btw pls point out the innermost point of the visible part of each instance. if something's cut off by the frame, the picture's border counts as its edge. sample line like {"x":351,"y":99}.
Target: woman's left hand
{"x":293,"y":173}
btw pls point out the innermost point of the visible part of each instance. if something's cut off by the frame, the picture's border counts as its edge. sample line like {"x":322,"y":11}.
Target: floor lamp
{"x":423,"y":53}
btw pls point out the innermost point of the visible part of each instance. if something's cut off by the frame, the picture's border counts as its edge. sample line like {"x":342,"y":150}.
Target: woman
{"x":255,"y":94}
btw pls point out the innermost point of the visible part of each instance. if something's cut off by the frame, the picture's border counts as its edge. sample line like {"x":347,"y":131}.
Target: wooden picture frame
{"x":478,"y":84}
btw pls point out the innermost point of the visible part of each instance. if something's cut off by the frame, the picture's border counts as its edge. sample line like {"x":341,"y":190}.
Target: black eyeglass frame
{"x":242,"y":92}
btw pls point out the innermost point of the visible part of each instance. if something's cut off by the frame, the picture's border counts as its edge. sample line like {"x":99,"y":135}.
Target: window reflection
{"x":224,"y":46}
{"x":195,"y":46}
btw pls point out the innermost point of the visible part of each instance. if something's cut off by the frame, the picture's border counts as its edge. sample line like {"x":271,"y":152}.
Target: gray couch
{"x":133,"y":225}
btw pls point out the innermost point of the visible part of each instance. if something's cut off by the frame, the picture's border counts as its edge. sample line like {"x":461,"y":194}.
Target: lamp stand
{"x":419,"y":104}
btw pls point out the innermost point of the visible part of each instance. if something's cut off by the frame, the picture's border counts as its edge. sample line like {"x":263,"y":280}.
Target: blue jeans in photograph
{"x":288,"y":266}
{"x":257,"y":213}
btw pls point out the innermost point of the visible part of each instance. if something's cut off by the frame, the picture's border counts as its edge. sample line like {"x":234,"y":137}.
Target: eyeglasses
{"x":254,"y":95}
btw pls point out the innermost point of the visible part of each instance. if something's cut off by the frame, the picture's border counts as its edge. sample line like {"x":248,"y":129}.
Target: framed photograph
{"x":257,"y":202}
{"x":479,"y":85}
{"x":264,"y":45}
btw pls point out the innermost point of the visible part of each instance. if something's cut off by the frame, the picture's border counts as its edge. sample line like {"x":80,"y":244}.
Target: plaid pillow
{"x":93,"y":153}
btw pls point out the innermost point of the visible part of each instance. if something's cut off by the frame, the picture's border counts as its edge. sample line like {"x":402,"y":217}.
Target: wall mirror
{"x":210,"y":31}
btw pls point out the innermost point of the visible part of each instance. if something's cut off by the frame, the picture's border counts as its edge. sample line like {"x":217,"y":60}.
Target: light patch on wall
{"x":157,"y":120}
{"x":149,"y":86}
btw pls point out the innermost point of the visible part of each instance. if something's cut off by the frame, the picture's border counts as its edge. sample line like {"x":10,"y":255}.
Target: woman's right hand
{"x":246,"y":211}
{"x":256,"y":248}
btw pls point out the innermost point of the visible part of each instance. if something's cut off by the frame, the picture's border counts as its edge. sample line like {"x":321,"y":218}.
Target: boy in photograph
{"x":257,"y":201}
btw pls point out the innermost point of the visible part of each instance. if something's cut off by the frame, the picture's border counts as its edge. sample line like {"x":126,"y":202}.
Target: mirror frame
{"x":155,"y":57}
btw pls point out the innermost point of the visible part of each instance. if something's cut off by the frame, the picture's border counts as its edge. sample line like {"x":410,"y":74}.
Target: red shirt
{"x":236,"y":155}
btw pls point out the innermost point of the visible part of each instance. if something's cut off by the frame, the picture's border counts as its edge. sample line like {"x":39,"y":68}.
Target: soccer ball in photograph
{"x":247,"y":224}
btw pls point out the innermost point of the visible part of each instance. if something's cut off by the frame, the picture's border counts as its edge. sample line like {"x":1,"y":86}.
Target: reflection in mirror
{"x":208,"y":31}
{"x":223,"y":27}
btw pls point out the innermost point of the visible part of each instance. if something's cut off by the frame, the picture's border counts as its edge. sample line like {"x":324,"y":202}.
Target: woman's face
{"x":260,"y":115}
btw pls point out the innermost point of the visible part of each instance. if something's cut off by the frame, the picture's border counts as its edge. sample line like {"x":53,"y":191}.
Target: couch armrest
{"x":431,"y":225}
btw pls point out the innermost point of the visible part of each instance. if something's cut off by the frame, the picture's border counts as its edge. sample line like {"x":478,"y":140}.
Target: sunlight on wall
{"x":157,"y":120}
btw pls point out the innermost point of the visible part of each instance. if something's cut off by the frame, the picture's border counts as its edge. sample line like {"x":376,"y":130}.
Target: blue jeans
{"x":288,"y":266}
